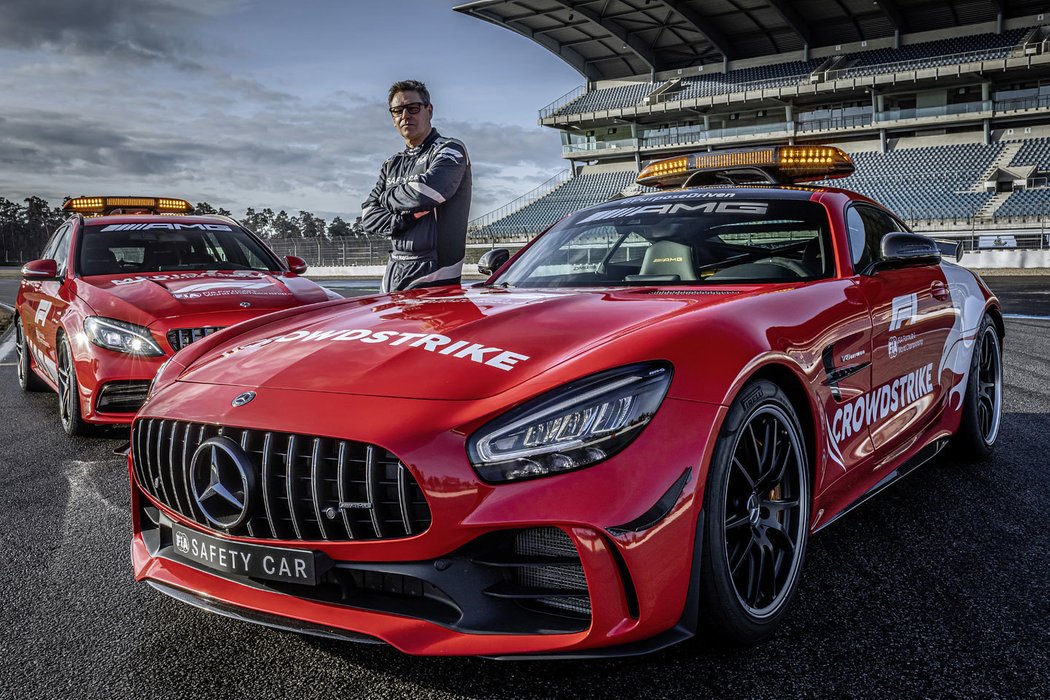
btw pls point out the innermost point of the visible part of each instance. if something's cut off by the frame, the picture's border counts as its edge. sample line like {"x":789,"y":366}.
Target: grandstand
{"x":945,"y":106}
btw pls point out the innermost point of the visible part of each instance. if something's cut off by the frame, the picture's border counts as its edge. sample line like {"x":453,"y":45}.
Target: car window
{"x":60,"y":254}
{"x":159,"y":247}
{"x":867,"y":227}
{"x":680,"y":239}
{"x":48,"y":253}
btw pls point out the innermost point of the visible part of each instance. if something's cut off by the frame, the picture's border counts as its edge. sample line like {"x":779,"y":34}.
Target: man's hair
{"x":409,"y":86}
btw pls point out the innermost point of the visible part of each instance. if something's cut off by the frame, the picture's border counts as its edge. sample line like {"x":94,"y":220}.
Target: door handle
{"x":940,"y":291}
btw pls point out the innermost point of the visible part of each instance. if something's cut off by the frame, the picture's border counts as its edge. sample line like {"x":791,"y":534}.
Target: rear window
{"x":681,"y":241}
{"x":107,"y":249}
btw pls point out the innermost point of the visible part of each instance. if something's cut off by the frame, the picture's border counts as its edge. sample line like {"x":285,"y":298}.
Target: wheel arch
{"x":997,"y":318}
{"x":795,"y":388}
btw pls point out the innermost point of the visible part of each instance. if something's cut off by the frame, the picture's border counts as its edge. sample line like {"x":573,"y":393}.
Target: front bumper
{"x":454,"y":589}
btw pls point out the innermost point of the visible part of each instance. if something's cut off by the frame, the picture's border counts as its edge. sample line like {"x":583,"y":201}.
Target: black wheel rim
{"x":21,"y":363}
{"x":766,"y":512}
{"x":67,"y":393}
{"x":989,"y":386}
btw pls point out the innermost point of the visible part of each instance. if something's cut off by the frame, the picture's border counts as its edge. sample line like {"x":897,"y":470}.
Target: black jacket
{"x":433,"y":177}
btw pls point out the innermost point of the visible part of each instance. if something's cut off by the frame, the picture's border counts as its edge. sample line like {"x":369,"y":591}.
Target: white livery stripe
{"x":427,"y":191}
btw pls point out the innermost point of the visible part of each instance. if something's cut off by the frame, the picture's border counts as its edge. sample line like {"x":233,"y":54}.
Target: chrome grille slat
{"x":163,"y":490}
{"x":268,"y":486}
{"x":297,"y":497}
{"x":342,"y":475}
{"x":289,"y":485}
{"x":172,"y":470}
{"x":371,"y":486}
{"x":245,"y":440}
{"x":402,"y":498}
{"x":316,"y":484}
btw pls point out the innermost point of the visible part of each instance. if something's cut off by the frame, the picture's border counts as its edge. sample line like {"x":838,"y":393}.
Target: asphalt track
{"x":938,"y":588}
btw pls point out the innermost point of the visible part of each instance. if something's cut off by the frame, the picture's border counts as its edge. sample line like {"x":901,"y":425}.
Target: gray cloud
{"x":138,"y":30}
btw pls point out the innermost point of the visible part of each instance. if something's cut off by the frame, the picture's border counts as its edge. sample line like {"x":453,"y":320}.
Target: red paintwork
{"x":146,"y":299}
{"x":421,"y":405}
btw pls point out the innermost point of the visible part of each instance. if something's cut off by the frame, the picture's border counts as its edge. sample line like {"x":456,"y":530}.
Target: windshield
{"x":107,"y":249}
{"x":680,"y":240}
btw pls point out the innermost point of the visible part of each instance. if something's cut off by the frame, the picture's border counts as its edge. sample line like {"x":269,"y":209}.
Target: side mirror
{"x":907,"y":249}
{"x":296,"y":264}
{"x":40,"y":270}
{"x":951,"y":249}
{"x":493,"y":260}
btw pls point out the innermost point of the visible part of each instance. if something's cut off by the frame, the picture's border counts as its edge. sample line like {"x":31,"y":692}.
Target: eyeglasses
{"x":411,"y":108}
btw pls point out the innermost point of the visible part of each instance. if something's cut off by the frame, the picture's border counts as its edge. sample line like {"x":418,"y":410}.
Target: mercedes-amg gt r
{"x":624,"y":436}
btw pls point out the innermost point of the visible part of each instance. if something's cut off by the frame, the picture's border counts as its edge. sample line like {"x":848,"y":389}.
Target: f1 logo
{"x":905,"y":308}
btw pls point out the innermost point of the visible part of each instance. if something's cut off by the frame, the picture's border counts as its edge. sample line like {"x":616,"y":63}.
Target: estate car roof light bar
{"x":774,"y":165}
{"x":101,"y":206}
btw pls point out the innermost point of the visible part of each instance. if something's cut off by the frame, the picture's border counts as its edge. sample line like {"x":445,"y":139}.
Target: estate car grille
{"x":307,"y":488}
{"x":179,"y":338}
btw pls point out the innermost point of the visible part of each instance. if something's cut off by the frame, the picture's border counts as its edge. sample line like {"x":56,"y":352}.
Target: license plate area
{"x":301,"y":566}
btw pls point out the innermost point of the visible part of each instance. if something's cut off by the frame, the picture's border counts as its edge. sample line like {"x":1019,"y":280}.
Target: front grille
{"x":302,"y":481}
{"x":122,"y":397}
{"x":179,"y":338}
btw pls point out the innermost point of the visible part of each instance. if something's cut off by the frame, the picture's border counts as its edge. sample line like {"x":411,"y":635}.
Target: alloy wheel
{"x":989,"y":386}
{"x":765,"y":517}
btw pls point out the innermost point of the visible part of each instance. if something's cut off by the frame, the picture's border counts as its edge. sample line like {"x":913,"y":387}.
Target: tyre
{"x":27,"y":379}
{"x":69,"y":392}
{"x":982,"y":408}
{"x":757,"y":505}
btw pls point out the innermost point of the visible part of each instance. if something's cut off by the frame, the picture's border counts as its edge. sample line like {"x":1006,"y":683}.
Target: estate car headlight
{"x":571,"y":427}
{"x":121,"y":336}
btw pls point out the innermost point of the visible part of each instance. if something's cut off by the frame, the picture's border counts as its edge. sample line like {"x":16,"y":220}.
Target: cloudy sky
{"x":269,"y":103}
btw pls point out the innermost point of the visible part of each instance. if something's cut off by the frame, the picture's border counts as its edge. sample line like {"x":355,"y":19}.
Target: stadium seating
{"x":575,"y":193}
{"x":985,"y":47}
{"x":1033,"y":152}
{"x":913,"y":56}
{"x":1026,"y":203}
{"x":932,"y":182}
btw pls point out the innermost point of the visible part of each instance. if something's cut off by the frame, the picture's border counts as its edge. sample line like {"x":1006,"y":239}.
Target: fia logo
{"x":892,"y":347}
{"x":905,"y":309}
{"x":182,"y":543}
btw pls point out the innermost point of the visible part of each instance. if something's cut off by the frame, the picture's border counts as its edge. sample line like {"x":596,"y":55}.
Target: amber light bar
{"x":103,"y":205}
{"x":776,"y":165}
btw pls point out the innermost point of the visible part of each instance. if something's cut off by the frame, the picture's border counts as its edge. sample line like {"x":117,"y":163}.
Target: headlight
{"x":572,"y":427}
{"x":121,"y":336}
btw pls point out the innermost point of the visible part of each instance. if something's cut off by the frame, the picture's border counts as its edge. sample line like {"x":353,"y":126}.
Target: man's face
{"x":413,"y":128}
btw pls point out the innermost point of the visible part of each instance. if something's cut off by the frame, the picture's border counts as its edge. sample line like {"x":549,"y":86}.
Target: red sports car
{"x":630,"y":430}
{"x":120,"y":290}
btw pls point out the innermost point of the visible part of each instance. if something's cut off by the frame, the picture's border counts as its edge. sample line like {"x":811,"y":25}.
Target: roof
{"x":608,"y":39}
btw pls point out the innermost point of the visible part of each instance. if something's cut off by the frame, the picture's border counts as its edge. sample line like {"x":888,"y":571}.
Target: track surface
{"x":939,"y":587}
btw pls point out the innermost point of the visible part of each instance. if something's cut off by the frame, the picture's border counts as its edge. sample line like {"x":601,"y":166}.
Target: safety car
{"x":621,"y":439}
{"x":125,"y":283}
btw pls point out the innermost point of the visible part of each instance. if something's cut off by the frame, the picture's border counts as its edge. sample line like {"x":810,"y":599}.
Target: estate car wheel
{"x":27,"y":379}
{"x":69,"y":392}
{"x":757,"y":505}
{"x":982,"y":409}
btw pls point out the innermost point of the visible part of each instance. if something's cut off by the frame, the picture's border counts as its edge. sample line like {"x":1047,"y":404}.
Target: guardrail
{"x":565,"y":99}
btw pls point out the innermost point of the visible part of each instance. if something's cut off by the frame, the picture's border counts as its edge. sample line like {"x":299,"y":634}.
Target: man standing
{"x":422,"y":198}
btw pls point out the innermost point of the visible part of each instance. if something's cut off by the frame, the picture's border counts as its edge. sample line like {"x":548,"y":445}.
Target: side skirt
{"x":921,"y":457}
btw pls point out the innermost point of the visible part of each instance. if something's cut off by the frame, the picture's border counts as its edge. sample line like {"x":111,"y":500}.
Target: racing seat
{"x":666,"y":261}
{"x":98,"y":261}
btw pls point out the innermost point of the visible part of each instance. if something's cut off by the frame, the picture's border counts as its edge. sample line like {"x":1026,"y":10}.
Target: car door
{"x":48,"y":302}
{"x":911,"y":315}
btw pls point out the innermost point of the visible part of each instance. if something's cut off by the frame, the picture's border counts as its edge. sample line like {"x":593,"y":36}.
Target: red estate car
{"x":630,"y":429}
{"x":116,"y":294}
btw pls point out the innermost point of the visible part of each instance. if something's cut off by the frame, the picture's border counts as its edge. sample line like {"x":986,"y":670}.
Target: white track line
{"x":1020,"y":317}
{"x":8,"y":343}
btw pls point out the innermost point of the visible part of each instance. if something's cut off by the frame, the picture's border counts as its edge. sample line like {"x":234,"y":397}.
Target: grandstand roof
{"x":606,"y":39}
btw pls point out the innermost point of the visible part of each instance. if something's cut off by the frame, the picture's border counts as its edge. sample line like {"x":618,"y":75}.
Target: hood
{"x":146,"y":297}
{"x":436,"y":344}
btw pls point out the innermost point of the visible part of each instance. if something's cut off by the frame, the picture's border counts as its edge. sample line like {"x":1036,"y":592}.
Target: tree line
{"x":27,"y":226}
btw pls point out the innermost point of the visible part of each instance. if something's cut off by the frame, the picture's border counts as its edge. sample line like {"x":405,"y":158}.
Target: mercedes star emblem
{"x":242,"y":399}
{"x":222,"y":481}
